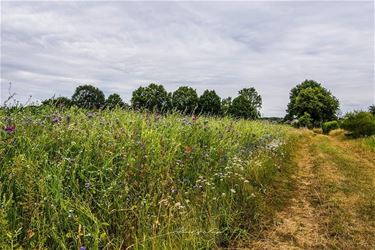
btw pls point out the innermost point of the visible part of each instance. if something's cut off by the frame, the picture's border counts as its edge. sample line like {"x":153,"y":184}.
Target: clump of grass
{"x":369,"y":142}
{"x":121,"y":179}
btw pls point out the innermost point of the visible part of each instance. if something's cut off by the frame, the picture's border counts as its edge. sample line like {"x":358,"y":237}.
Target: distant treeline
{"x":155,"y":98}
{"x":309,"y":102}
{"x":311,"y":105}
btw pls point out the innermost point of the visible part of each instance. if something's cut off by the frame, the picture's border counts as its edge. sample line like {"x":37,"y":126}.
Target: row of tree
{"x":310,"y":103}
{"x":154,"y":97}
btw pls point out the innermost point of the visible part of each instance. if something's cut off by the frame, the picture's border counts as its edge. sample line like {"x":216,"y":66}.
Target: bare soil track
{"x":334,"y":201}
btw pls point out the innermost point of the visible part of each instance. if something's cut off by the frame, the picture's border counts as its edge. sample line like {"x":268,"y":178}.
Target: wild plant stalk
{"x":120,"y":179}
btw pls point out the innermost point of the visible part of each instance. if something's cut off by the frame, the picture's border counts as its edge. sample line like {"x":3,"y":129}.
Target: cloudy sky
{"x":49,"y":48}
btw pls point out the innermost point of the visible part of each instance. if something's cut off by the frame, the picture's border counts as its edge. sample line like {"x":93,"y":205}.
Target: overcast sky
{"x":49,"y":48}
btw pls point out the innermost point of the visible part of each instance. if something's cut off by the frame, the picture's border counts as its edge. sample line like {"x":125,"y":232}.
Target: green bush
{"x":359,"y":124}
{"x":329,"y":126}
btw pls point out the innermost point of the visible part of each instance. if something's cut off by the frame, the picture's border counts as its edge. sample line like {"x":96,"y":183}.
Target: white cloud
{"x":49,"y":48}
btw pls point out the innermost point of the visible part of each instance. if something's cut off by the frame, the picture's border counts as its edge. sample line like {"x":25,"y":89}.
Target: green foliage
{"x":113,"y":101}
{"x":329,"y":126}
{"x":371,"y":109}
{"x":369,"y":142}
{"x":247,"y":104}
{"x":305,"y":121}
{"x":312,"y":98}
{"x":88,"y":97}
{"x":153,"y":98}
{"x":209,"y":103}
{"x":116,"y":179}
{"x":359,"y":124}
{"x":225,"y":105}
{"x":185,"y":100}
{"x":59,"y":102}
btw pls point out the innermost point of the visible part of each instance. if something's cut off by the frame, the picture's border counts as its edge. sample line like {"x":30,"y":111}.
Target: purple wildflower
{"x":10,"y":129}
{"x":194,"y":118}
{"x":82,"y":248}
{"x":56,"y":119}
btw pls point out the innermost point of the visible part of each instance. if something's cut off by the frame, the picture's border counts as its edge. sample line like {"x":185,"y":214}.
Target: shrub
{"x":359,"y":124}
{"x":329,"y":126}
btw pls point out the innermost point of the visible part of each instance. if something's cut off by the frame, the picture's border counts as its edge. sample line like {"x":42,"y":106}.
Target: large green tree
{"x":312,"y":98}
{"x":153,"y":97}
{"x":209,"y":103}
{"x":246,"y":105}
{"x":88,"y":96}
{"x":114,"y":100}
{"x":185,"y":99}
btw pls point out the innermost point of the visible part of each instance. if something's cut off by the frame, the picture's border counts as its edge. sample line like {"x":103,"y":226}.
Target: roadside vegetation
{"x":122,"y":179}
{"x":175,"y":170}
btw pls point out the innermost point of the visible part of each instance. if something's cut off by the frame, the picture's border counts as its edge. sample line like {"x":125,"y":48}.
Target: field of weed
{"x":119,"y":179}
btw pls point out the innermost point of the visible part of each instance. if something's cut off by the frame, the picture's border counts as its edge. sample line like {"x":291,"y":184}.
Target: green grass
{"x":118,"y":179}
{"x":369,"y":142}
{"x":346,"y":196}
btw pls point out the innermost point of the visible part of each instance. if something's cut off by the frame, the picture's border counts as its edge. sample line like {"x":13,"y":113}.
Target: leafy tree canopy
{"x":305,"y":121}
{"x":312,"y":98}
{"x":225,"y":105}
{"x":247,"y":104}
{"x":153,"y":97}
{"x":114,"y":100}
{"x":185,"y":99}
{"x":88,"y":96}
{"x":371,"y":109}
{"x":210,"y":103}
{"x":60,"y":102}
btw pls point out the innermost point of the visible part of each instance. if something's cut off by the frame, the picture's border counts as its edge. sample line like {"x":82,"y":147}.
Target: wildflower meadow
{"x":76,"y":179}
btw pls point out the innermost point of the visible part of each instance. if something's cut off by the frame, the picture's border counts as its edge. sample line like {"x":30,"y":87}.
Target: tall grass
{"x":369,"y":142}
{"x":121,"y":179}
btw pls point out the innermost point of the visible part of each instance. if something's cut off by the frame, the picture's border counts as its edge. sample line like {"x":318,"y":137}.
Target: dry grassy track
{"x":334,"y":201}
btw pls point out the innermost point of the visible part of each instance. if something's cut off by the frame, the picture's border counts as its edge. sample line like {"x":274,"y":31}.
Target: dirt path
{"x":334,"y":202}
{"x":296,"y":227}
